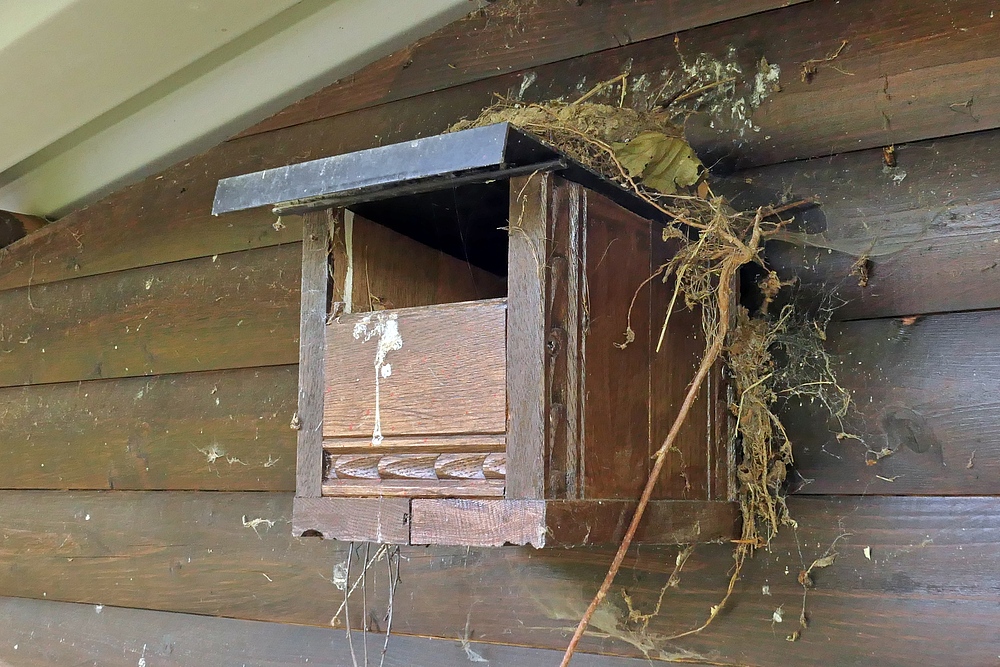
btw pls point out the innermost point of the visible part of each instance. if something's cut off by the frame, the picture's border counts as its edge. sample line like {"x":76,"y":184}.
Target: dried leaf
{"x":776,"y":617}
{"x":793,"y":637}
{"x":661,"y":162}
{"x":825,"y":561}
{"x":804,"y":579}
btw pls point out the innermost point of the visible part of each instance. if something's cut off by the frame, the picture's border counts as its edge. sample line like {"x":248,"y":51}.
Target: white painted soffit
{"x":150,"y":115}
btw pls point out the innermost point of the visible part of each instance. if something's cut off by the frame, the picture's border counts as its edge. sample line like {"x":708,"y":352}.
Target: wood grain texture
{"x":566,"y":329}
{"x":438,"y":444}
{"x":446,"y":377}
{"x":315,"y":305}
{"x":617,"y":421}
{"x":930,"y":226}
{"x":389,"y":270}
{"x":478,"y":523}
{"x":223,"y":430}
{"x":576,"y":523}
{"x":504,"y":38}
{"x":117,"y":637}
{"x":171,"y":212}
{"x":530,"y":198}
{"x":698,"y":465}
{"x":424,"y":466}
{"x":924,"y":595}
{"x":415,"y":488}
{"x":383,"y":520}
{"x":231,"y":311}
{"x":926,"y":391}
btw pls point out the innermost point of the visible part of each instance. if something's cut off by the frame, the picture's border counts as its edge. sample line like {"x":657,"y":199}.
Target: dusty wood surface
{"x":505,"y":38}
{"x":925,"y":391}
{"x":566,"y":333}
{"x":230,"y":311}
{"x":447,"y":376}
{"x":571,"y":523}
{"x":929,"y":557}
{"x":616,"y":423}
{"x":478,"y":523}
{"x":315,"y":306}
{"x":384,"y":520}
{"x":530,"y":198}
{"x":388,"y":270}
{"x":38,"y":633}
{"x":224,"y":430}
{"x":173,"y":220}
{"x":930,"y":226}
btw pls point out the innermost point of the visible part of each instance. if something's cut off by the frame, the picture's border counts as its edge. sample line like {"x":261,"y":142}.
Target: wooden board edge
{"x":382,"y":520}
{"x":478,"y":523}
{"x":575,"y":523}
{"x":312,"y":351}
{"x":530,"y":201}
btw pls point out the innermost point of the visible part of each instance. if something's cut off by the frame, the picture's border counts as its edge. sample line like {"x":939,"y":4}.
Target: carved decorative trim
{"x":378,"y":466}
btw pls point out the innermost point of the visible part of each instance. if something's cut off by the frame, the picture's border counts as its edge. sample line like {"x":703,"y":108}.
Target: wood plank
{"x":353,"y":519}
{"x":388,"y":270}
{"x":932,"y":221}
{"x":171,"y":212}
{"x":565,"y":301}
{"x":578,"y":523}
{"x":231,"y":311}
{"x":503,"y":38}
{"x":315,"y":306}
{"x":925,"y":391}
{"x":923,"y":591}
{"x":440,"y":443}
{"x":399,"y":488}
{"x":616,"y":423}
{"x":218,"y":431}
{"x":698,"y":465}
{"x":530,"y":198}
{"x":117,"y":637}
{"x":478,"y":523}
{"x":445,"y":376}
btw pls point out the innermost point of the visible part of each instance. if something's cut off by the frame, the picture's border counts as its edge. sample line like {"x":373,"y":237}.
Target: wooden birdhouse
{"x":465,"y":374}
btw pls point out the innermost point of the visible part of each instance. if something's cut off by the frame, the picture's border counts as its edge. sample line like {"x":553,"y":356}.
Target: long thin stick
{"x":711,"y":355}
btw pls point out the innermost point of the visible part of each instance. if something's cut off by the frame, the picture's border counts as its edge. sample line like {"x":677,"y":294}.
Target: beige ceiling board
{"x":65,"y":62}
{"x":201,"y":102}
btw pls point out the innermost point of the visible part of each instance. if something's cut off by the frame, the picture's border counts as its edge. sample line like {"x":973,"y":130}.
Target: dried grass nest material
{"x":766,"y":356}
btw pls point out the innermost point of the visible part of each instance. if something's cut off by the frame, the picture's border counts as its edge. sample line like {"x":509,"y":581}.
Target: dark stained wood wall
{"x":147,"y":357}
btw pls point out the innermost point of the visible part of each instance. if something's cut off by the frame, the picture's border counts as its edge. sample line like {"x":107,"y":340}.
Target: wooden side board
{"x":229,"y":311}
{"x":924,"y":390}
{"x":220,"y":430}
{"x":930,"y":226}
{"x":927,"y":560}
{"x":76,"y":634}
